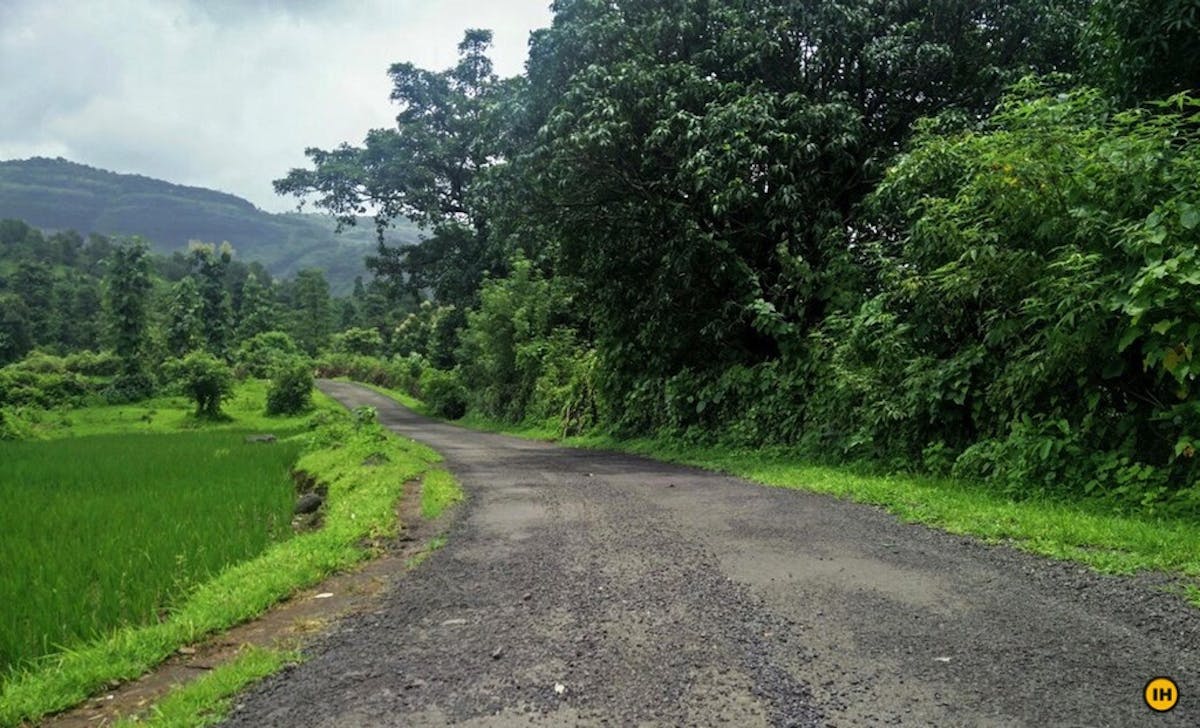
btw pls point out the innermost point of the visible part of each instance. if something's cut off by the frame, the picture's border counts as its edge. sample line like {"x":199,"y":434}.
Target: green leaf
{"x":1189,"y":215}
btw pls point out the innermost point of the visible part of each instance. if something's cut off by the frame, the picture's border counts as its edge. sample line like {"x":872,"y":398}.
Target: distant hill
{"x":57,"y":194}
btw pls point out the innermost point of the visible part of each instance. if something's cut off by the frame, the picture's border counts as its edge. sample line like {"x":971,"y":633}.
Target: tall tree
{"x":15,"y":337}
{"x":423,"y":170}
{"x":127,"y":296}
{"x":185,"y":318}
{"x":209,"y":265}
{"x":34,"y":283}
{"x":312,"y":312}
{"x":257,"y":313}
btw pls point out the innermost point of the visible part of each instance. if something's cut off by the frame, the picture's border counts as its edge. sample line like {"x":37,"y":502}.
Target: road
{"x":591,"y":588}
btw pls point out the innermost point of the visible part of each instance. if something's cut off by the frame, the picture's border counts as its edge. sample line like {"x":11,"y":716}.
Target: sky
{"x":223,"y":94}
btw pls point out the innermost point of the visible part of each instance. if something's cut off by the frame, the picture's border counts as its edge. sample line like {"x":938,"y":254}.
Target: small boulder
{"x":308,"y":503}
{"x":268,"y":439}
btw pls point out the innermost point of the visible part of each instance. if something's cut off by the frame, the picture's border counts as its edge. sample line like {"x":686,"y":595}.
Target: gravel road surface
{"x":591,"y":588}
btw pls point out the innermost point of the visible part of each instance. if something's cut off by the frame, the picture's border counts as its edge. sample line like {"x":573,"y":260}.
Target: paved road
{"x":589,"y":588}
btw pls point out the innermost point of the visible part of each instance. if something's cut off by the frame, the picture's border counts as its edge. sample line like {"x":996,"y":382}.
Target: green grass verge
{"x":360,"y":506}
{"x":439,"y":491}
{"x":245,"y":408}
{"x":207,"y":700}
{"x":1081,"y":531}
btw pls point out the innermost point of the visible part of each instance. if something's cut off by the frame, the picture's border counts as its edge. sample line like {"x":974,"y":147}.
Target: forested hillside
{"x":65,"y":294}
{"x":957,"y":237}
{"x":58,"y":195}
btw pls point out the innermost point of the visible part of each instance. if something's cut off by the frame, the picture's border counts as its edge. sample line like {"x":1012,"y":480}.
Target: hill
{"x":57,"y":194}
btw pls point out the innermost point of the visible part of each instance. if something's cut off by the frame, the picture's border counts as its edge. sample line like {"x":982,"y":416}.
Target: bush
{"x":444,"y":393}
{"x":398,"y":372}
{"x":203,"y":378}
{"x":259,"y":355}
{"x":291,"y":388}
{"x":12,"y":427}
{"x":365,"y":342}
{"x":129,"y":387}
{"x":93,"y":364}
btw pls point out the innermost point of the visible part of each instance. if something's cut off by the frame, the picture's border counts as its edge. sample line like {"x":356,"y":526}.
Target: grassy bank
{"x":206,"y":700}
{"x":359,"y":508}
{"x":1083,"y":531}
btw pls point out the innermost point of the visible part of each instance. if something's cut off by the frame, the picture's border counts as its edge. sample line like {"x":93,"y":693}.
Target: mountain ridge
{"x":58,"y":194}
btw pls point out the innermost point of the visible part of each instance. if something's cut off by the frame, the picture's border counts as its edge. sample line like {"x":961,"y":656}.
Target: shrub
{"x":291,"y":388}
{"x":444,"y":392}
{"x":203,"y":378}
{"x":129,"y":387}
{"x":12,"y":427}
{"x":398,"y":372}
{"x":365,"y":342}
{"x":93,"y":364}
{"x":259,"y":355}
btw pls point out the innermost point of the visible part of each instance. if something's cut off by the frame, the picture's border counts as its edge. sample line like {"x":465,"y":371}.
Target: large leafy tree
{"x":423,"y":169}
{"x":1145,"y":49}
{"x":698,"y":165}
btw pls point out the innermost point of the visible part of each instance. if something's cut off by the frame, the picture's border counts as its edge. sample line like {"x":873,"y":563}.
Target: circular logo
{"x":1161,"y":694}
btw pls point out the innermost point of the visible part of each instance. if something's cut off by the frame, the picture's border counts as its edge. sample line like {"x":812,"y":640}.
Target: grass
{"x":245,"y":408}
{"x":1085,"y":532}
{"x":439,"y":491}
{"x":207,"y":700}
{"x":108,"y":530}
{"x":359,"y":508}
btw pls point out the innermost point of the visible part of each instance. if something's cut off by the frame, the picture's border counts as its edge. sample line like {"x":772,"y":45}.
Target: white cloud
{"x":223,"y":94}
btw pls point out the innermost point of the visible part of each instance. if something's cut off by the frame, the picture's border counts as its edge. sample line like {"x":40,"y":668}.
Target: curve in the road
{"x":593,"y":588}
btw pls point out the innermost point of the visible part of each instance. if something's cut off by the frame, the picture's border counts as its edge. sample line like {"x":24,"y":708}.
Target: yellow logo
{"x":1161,"y":694}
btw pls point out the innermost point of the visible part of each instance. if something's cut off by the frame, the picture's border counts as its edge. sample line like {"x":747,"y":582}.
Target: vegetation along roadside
{"x":1089,"y":532}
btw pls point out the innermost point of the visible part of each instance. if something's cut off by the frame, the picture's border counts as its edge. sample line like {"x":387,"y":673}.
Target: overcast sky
{"x":223,"y":93}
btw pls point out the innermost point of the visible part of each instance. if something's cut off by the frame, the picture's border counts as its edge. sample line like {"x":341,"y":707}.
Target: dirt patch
{"x":291,"y":624}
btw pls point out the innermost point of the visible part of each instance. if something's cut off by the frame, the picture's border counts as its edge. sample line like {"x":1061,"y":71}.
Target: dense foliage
{"x":938,"y":235}
{"x":952,"y":236}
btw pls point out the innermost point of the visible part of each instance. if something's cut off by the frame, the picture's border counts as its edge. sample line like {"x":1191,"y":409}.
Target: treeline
{"x":943,"y":235}
{"x":97,"y":319}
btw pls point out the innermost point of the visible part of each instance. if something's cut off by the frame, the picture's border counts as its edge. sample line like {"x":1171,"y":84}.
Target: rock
{"x":308,"y":503}
{"x":267,"y":439}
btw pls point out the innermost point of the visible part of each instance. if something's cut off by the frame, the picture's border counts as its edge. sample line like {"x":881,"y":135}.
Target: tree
{"x":1144,"y":49}
{"x":205,"y":379}
{"x":127,"y":294}
{"x":366,"y":342}
{"x":185,"y":318}
{"x":209,"y":265}
{"x":260,"y":354}
{"x":312,"y":316}
{"x":422,"y":170}
{"x":33,"y":282}
{"x":257,"y":313}
{"x":15,"y":337}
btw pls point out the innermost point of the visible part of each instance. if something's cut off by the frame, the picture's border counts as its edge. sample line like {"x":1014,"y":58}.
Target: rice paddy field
{"x":107,"y":530}
{"x":116,"y":513}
